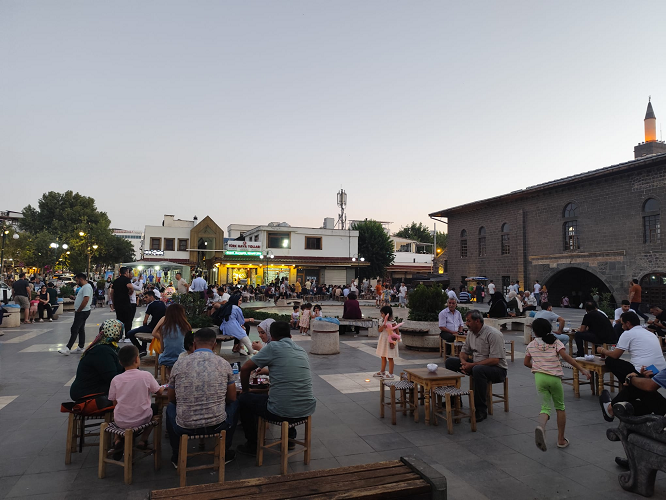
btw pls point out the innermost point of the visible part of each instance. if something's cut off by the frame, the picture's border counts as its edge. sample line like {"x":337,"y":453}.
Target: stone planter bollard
{"x":14,"y":318}
{"x":325,"y":338}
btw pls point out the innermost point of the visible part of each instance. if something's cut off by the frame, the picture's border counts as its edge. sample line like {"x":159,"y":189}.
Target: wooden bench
{"x":408,"y":478}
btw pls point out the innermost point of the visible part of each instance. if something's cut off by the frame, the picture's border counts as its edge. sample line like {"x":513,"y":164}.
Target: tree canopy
{"x":69,"y":219}
{"x":375,"y":245}
{"x":421,"y":233}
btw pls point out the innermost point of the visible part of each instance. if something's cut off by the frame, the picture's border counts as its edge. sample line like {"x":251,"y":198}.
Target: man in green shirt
{"x":290,"y":397}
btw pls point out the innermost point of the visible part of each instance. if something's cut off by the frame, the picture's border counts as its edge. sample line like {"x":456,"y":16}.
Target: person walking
{"x":82,"y":304}
{"x":635,"y":292}
{"x":120,"y":295}
{"x":22,"y":289}
{"x":537,"y":292}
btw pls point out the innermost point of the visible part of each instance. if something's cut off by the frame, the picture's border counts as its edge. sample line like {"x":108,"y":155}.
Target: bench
{"x":644,"y":441}
{"x":370,"y":324}
{"x":408,"y":478}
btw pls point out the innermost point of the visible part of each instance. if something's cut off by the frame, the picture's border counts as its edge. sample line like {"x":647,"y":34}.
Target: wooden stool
{"x":283,"y":442}
{"x":407,"y":402}
{"x":218,"y":456}
{"x":567,"y":380}
{"x":128,"y":455}
{"x":76,"y":431}
{"x":510,"y":351}
{"x":447,"y":413}
{"x":456,"y":347}
{"x":501,"y":398}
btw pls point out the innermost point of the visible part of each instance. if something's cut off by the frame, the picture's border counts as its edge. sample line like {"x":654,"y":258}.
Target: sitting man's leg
{"x":174,"y":432}
{"x":482,"y":375}
{"x":132,"y":336}
{"x":252,"y":406}
{"x":583,"y":336}
{"x":452,"y":364}
{"x":620,"y":368}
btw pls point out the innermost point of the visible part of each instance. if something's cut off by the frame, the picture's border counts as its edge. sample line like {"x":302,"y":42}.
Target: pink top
{"x":131,"y":390}
{"x":545,"y":357}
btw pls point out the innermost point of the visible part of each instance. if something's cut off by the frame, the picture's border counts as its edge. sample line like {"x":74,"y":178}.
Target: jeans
{"x":447,"y":337}
{"x":482,"y":374}
{"x":581,"y":337}
{"x":562,"y":337}
{"x":636,"y":306}
{"x":253,"y":406}
{"x":125,"y":316}
{"x":644,"y":402}
{"x":78,"y":329}
{"x":132,"y":336}
{"x":175,"y":430}
{"x":537,"y":296}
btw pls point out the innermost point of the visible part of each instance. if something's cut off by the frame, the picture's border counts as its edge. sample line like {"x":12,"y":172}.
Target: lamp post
{"x":357,"y":258}
{"x":55,"y":247}
{"x":266,"y":256}
{"x":5,"y":232}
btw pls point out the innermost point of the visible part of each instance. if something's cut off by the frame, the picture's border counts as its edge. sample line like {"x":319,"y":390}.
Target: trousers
{"x":482,"y":375}
{"x":78,"y":329}
{"x":253,"y":406}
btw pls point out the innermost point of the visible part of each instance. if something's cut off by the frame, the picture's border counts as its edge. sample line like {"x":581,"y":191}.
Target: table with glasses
{"x":429,"y":381}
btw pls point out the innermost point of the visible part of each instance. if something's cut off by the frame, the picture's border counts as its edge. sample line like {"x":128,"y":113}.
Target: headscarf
{"x":514,"y":295}
{"x":265,"y":325}
{"x":110,"y":333}
{"x":225,"y":310}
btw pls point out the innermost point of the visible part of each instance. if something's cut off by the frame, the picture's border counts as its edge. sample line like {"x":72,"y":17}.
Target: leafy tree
{"x":375,"y":245}
{"x":421,"y":233}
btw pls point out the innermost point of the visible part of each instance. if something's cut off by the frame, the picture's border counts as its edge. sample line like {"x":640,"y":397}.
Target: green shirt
{"x":53,"y":296}
{"x":291,"y":380}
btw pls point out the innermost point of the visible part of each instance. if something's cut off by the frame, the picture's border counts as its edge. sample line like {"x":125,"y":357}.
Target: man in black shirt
{"x":596,"y":328}
{"x":120,"y":295}
{"x":22,"y":292}
{"x":658,"y":324}
{"x":156,"y":310}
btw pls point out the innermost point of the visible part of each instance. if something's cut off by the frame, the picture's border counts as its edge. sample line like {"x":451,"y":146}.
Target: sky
{"x":260,"y":111}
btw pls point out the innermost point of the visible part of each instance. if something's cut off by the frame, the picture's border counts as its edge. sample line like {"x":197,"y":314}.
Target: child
{"x":316,"y":311}
{"x":542,"y":355}
{"x":294,"y":318}
{"x":387,"y":297}
{"x":34,"y":309}
{"x":305,"y":318}
{"x":188,"y":344}
{"x":131,"y":392}
{"x":386,"y":327}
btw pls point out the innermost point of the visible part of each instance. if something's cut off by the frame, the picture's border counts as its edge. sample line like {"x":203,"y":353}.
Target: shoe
{"x":622,"y":462}
{"x":566,"y":443}
{"x":40,"y":320}
{"x":480,"y":416}
{"x":540,"y":438}
{"x":379,"y":375}
{"x":50,"y":320}
{"x":77,"y":349}
{"x":388,"y":376}
{"x":64,"y":350}
{"x":604,"y":401}
{"x":143,"y":354}
{"x":247,"y":449}
{"x":291,"y":445}
{"x":229,"y":456}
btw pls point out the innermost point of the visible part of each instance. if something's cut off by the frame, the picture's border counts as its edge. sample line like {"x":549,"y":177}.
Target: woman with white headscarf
{"x":264,"y":331}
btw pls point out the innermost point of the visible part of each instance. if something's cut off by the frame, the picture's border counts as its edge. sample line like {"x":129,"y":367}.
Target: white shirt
{"x":403,"y":291}
{"x":515,"y":288}
{"x":452,"y":294}
{"x":491,"y":288}
{"x":537,"y":288}
{"x":618,"y":313}
{"x":644,"y":348}
{"x":451,"y":320}
{"x":345,"y":292}
{"x":531,"y":300}
{"x":198,"y":285}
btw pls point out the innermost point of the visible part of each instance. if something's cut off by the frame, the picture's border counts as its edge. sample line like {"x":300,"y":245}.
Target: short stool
{"x":77,"y":434}
{"x":407,"y":400}
{"x":447,"y":412}
{"x":284,"y":441}
{"x":218,"y":455}
{"x":106,"y":430}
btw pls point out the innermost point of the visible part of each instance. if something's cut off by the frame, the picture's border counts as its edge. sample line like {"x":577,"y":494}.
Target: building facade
{"x":410,"y":258}
{"x":597,"y":230}
{"x":134,"y":237}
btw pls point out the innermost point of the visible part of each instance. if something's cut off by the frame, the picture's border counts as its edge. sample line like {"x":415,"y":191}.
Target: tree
{"x":421,"y":233}
{"x":72,"y":219}
{"x":375,"y":245}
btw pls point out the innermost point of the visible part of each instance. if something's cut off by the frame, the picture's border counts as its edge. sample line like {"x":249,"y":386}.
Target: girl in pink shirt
{"x":131,"y":392}
{"x":542,"y":355}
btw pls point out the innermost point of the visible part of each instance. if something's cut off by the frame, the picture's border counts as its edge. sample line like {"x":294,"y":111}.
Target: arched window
{"x":570,"y":229}
{"x":651,"y":221}
{"x":506,"y":243}
{"x":463,"y":243}
{"x":482,"y":241}
{"x":571,"y":210}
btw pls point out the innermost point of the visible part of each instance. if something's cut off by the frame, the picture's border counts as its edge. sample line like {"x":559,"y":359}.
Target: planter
{"x":67,"y":305}
{"x":14,"y":318}
{"x":325,"y":338}
{"x":420,"y":335}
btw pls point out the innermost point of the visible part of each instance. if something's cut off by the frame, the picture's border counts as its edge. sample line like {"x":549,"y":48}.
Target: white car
{"x":3,"y":287}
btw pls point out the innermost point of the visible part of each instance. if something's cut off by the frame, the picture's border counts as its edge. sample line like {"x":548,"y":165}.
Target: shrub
{"x":262,"y":315}
{"x":195,"y":309}
{"x":425,"y":303}
{"x":66,"y":291}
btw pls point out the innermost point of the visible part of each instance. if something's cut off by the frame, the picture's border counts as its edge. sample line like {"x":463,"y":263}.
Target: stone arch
{"x":576,"y":282}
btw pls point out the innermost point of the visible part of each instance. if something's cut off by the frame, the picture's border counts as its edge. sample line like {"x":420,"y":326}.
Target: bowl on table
{"x":432,"y":367}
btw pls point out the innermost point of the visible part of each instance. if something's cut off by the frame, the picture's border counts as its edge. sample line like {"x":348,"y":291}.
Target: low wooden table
{"x":429,"y":380}
{"x":597,"y":367}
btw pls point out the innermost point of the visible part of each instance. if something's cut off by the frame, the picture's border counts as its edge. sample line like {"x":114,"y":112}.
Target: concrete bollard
{"x":325,"y":338}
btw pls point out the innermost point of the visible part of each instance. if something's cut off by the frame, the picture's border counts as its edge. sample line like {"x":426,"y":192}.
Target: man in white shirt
{"x":452,"y":294}
{"x":450,"y":322}
{"x":491,"y":288}
{"x":199,"y":285}
{"x":625,"y":306}
{"x":181,"y":284}
{"x":402,"y":295}
{"x":537,"y":292}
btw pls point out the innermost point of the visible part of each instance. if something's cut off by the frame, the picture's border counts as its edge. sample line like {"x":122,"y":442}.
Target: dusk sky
{"x":252,"y":112}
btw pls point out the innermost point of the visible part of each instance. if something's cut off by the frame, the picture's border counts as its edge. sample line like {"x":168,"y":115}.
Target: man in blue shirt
{"x":156,"y":310}
{"x":290,"y":398}
{"x":82,"y":304}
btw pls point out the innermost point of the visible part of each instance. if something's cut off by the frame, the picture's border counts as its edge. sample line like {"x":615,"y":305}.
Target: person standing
{"x":297,"y":288}
{"x":199,"y":286}
{"x":22,"y":289}
{"x":120,"y":295}
{"x":82,"y":304}
{"x":181,"y":284}
{"x":491,"y":288}
{"x":537,"y":292}
{"x":635,"y":292}
{"x":403,"y":295}
{"x":479,"y":293}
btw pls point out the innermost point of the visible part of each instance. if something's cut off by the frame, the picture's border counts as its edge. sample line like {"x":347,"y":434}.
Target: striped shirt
{"x":545,"y":358}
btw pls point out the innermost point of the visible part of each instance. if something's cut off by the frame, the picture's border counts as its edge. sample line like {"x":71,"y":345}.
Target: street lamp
{"x":5,"y":232}
{"x":55,"y":247}
{"x":357,"y":258}
{"x":268,"y":254}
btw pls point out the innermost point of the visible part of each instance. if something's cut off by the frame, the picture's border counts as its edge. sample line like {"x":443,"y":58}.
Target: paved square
{"x":499,"y":461}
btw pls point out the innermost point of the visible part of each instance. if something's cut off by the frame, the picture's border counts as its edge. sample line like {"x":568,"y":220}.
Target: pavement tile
{"x":45,"y":483}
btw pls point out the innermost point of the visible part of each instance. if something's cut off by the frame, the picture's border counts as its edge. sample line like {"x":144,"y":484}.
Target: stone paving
{"x":499,"y":461}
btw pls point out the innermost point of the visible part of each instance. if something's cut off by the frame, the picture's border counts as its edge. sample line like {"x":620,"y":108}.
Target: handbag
{"x":93,"y":404}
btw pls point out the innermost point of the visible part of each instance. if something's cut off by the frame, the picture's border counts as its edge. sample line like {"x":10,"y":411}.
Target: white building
{"x":262,"y":254}
{"x":134,"y":237}
{"x":410,"y":257}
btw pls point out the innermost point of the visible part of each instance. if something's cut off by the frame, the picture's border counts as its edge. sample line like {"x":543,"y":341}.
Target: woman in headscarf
{"x":515,"y":303}
{"x":264,"y":331}
{"x":233,"y":323}
{"x":498,"y":307}
{"x":99,"y":362}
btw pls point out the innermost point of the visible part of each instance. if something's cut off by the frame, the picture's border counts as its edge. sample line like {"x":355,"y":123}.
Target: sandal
{"x":563,"y":445}
{"x":379,"y":375}
{"x":540,"y":438}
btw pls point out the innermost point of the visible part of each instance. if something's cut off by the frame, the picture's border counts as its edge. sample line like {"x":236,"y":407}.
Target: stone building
{"x":597,"y":229}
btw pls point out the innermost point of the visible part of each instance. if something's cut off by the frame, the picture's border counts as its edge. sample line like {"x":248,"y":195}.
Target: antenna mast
{"x":342,"y":203}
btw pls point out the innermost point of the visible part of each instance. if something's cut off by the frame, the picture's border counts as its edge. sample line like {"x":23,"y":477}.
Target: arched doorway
{"x":653,"y":287}
{"x":575,"y":283}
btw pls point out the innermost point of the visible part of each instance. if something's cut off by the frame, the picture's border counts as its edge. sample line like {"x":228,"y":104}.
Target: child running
{"x":542,"y":355}
{"x":387,"y":327}
{"x":131,"y":391}
{"x":305,"y":318}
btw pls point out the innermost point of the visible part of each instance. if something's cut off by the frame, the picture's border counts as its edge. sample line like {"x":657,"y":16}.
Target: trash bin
{"x":14,"y":318}
{"x":325,"y":337}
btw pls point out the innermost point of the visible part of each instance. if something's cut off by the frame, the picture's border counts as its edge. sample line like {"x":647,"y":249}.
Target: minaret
{"x":650,"y":123}
{"x":651,"y":146}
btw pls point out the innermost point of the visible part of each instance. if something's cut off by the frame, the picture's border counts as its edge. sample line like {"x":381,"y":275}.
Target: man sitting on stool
{"x":485,"y":345}
{"x":596,"y":328}
{"x":450,"y":323}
